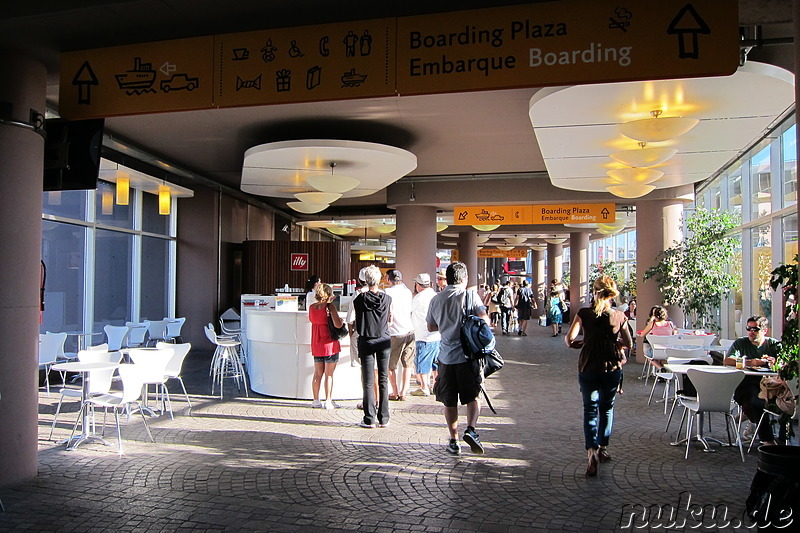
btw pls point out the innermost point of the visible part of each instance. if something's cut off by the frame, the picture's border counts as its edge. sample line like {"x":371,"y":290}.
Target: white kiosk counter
{"x":279,"y":360}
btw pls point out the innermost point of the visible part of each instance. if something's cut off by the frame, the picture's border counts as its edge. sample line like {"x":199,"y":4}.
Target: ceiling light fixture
{"x":440,"y":227}
{"x":482,"y":239}
{"x":630,"y":175}
{"x":657,"y":129}
{"x":538,"y":247}
{"x":505,"y":248}
{"x":606,"y":231}
{"x":555,"y":240}
{"x":644,"y":157}
{"x":335,"y":183}
{"x":486,"y":227}
{"x":385,"y":228}
{"x":339,"y":230}
{"x":123,"y":188}
{"x":318,"y":197}
{"x":307,"y":208}
{"x":630,"y":190}
{"x":107,"y":202}
{"x":164,"y":200}
{"x":516,"y":239}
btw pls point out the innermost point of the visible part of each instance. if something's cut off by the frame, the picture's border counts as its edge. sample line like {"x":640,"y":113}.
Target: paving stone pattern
{"x":268,"y":464}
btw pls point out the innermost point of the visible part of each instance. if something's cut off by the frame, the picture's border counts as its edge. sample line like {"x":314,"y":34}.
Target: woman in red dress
{"x":324,"y":348}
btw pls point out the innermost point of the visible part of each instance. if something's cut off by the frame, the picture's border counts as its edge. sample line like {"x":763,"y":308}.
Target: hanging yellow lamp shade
{"x":385,"y":228}
{"x":307,"y":208}
{"x":505,"y":248}
{"x":486,"y":227}
{"x":440,"y":227}
{"x":657,"y":129}
{"x":644,"y":157}
{"x":332,"y":183}
{"x":630,"y":190}
{"x":318,"y":197}
{"x":164,"y":200}
{"x":340,"y":230}
{"x":635,"y":175}
{"x":555,"y":240}
{"x":606,"y":231}
{"x":123,"y":188}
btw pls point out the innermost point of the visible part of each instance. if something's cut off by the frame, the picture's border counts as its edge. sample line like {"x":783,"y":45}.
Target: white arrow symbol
{"x":167,"y":68}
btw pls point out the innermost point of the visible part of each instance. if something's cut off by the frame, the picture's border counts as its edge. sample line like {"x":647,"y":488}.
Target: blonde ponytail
{"x":604,"y":290}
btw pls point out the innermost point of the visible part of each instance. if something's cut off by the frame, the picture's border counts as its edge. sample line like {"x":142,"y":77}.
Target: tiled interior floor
{"x":267,"y":464}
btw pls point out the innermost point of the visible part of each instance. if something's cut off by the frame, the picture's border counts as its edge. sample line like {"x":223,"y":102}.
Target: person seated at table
{"x":658,"y":323}
{"x":758,"y":350}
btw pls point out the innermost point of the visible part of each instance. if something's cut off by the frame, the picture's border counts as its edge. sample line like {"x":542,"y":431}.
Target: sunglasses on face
{"x":753,"y":328}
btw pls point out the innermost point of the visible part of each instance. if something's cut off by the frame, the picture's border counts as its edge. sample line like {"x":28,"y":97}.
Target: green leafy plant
{"x":605,"y":268}
{"x":695,"y":273}
{"x":786,"y":276}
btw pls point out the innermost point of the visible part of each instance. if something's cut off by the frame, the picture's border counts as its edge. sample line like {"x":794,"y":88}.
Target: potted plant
{"x":694,"y":274}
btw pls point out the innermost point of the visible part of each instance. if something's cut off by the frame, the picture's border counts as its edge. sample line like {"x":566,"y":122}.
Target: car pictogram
{"x":178,"y":82}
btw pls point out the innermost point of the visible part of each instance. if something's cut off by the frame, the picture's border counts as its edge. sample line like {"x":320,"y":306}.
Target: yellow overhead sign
{"x":565,"y":43}
{"x":310,"y":63}
{"x":534,"y":214}
{"x":141,"y":78}
{"x":529,"y":45}
{"x":488,"y":253}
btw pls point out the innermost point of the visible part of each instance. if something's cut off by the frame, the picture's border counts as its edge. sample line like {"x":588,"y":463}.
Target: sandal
{"x":591,"y":468}
{"x":394,"y":397}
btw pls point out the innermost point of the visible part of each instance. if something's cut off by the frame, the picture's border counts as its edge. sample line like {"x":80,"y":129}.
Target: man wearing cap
{"x":441,"y":281}
{"x":401,"y":330}
{"x":350,"y":320}
{"x":427,"y":342}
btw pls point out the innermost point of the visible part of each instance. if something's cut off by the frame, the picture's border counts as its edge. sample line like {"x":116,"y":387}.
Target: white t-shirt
{"x":401,"y":310}
{"x":419,"y":315}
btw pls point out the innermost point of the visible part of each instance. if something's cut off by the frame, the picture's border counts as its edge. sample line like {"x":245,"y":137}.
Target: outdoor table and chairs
{"x":87,"y":428}
{"x":81,"y":337}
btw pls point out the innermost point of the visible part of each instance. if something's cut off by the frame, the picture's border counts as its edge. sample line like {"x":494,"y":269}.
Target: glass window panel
{"x":735,"y":191}
{"x":113,"y":277}
{"x":67,"y":204}
{"x":620,"y":247}
{"x":762,"y":266}
{"x":789,"y":237}
{"x":107,"y":210}
{"x":790,"y":167}
{"x":734,"y":327}
{"x":761,"y":184}
{"x":63,"y":253}
{"x":716,"y":197}
{"x":154,"y":298}
{"x":152,"y":222}
{"x":632,"y":245}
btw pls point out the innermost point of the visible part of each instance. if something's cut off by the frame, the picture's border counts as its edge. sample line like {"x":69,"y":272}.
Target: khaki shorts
{"x":403,"y":351}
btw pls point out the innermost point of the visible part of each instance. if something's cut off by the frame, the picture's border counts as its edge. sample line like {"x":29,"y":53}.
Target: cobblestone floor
{"x":266,"y":464}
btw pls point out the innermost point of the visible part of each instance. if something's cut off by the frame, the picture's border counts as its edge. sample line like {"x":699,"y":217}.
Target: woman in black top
{"x":374,"y":343}
{"x":599,"y":366}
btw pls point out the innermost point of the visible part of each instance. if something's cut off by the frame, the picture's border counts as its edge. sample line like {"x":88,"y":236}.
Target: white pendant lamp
{"x":516,"y":239}
{"x":318,"y":197}
{"x":486,"y":227}
{"x":332,"y":183}
{"x":657,"y":129}
{"x":505,"y":248}
{"x":630,"y":190}
{"x":482,"y":238}
{"x":632,"y":175}
{"x":605,"y":231}
{"x":644,"y":157}
{"x":307,"y":208}
{"x":340,"y":230}
{"x":440,"y":227}
{"x":385,"y":228}
{"x":555,"y":240}
{"x":538,"y":247}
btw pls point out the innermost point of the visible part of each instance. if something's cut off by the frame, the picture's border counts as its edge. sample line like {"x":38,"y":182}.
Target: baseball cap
{"x":423,"y":278}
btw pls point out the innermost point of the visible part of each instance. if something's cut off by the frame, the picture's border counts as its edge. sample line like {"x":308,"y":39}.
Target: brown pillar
{"x":578,"y":271}
{"x":468,"y":254}
{"x":23,"y":85}
{"x":416,"y":241}
{"x":658,"y":226}
{"x":555,"y":262}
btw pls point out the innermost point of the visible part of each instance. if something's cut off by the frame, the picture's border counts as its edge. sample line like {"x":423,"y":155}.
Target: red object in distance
{"x":298,"y":261}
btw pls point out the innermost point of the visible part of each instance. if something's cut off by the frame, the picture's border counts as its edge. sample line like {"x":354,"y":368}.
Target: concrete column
{"x":538,"y":282}
{"x":23,"y":85}
{"x":658,"y":226}
{"x":468,"y":254}
{"x":416,"y":241}
{"x":578,"y":271}
{"x":555,"y":262}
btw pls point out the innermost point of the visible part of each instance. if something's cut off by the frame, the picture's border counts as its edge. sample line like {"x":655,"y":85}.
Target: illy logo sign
{"x":299,"y":262}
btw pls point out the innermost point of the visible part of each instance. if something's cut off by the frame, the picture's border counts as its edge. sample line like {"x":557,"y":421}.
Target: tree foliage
{"x":605,"y":268}
{"x":695,"y":273}
{"x":786,"y":276}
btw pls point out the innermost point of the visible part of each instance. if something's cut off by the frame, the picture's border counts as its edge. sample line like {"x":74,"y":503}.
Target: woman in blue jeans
{"x":605,"y":338}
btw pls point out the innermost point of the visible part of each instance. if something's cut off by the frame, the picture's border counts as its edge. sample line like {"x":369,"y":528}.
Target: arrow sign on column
{"x":84,"y":79}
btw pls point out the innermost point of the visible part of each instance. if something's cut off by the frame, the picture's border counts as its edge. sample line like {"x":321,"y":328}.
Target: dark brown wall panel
{"x":266,"y":264}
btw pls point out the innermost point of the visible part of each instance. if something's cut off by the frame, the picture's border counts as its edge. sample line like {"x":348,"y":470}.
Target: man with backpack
{"x":506,"y":300}
{"x":457,"y":380}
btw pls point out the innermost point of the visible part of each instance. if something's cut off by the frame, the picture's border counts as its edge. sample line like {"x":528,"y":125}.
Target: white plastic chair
{"x":136,"y":333}
{"x":132,"y":381}
{"x":175,"y":364}
{"x":697,"y":356}
{"x":174,"y":326}
{"x":157,"y":331}
{"x":116,"y":336}
{"x":153,"y":363}
{"x":714,"y":395}
{"x":99,"y":380}
{"x":657,"y":345}
{"x":235,"y":334}
{"x":225,"y":363}
{"x":51,"y":349}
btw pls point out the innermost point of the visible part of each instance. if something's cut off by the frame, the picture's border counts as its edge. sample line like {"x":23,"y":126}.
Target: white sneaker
{"x":316,"y":404}
{"x":749,"y":431}
{"x":330,"y":404}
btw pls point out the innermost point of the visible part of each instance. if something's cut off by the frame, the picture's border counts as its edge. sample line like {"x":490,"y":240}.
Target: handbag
{"x":336,"y":333}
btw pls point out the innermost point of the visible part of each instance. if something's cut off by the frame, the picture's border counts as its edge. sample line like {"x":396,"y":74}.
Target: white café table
{"x":87,"y":428}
